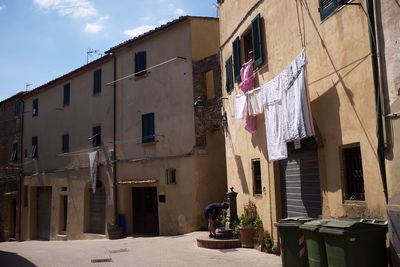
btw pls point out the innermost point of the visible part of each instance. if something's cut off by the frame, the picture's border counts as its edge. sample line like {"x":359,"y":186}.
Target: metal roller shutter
{"x":97,"y":211}
{"x":300,"y":182}
{"x":43,"y":212}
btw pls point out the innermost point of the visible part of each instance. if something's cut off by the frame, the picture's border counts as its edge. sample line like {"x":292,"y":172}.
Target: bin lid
{"x":336,"y":226}
{"x":313,"y":225}
{"x":293,"y":221}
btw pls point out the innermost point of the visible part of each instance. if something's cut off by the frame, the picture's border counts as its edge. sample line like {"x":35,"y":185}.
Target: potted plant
{"x":114,"y":231}
{"x":249,"y":221}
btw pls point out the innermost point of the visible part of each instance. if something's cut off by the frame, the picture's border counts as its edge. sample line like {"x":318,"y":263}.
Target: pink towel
{"x":247,"y":84}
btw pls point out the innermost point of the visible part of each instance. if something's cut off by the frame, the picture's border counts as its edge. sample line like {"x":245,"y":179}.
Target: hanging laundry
{"x":240,"y":105}
{"x":255,"y":102}
{"x":275,"y":119}
{"x":247,"y":84}
{"x":93,"y":163}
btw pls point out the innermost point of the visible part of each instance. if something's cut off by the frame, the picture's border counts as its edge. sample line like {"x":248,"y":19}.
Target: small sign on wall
{"x":297,"y":144}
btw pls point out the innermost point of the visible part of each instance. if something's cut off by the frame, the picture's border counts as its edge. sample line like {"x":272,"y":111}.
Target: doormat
{"x":119,"y":250}
{"x":101,"y":260}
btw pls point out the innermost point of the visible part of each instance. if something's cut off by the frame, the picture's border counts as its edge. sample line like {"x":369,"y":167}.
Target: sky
{"x":41,"y":40}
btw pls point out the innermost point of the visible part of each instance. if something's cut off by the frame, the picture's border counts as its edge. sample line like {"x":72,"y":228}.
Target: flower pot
{"x":115,"y":232}
{"x":247,"y":237}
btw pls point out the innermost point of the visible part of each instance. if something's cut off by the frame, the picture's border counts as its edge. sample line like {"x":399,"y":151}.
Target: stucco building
{"x":64,"y":120}
{"x":170,"y":155}
{"x":335,"y":173}
{"x":10,"y":171}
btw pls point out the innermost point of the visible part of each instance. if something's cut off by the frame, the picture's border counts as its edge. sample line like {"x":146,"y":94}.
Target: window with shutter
{"x":237,"y":61}
{"x":35,"y":107}
{"x":66,"y":94}
{"x":258,"y":47}
{"x":257,"y":183}
{"x":96,"y":136}
{"x":229,"y":75}
{"x":97,"y":82}
{"x":140,"y":63}
{"x":148,"y":128}
{"x":17,"y":108}
{"x":326,"y":7}
{"x":65,"y":143}
{"x":35,"y":148}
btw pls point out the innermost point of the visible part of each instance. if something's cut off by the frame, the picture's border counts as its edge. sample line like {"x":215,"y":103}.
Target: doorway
{"x":145,"y":211}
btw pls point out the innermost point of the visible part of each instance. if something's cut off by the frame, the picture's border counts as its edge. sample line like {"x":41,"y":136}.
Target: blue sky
{"x":44,"y":39}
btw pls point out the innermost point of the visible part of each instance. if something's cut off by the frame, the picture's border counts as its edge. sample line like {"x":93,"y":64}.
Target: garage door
{"x":97,"y":211}
{"x":43,"y":212}
{"x":300,"y":181}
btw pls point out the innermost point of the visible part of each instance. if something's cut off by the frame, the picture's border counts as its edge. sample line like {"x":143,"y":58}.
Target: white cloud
{"x":179,"y":11}
{"x":146,"y":18}
{"x":96,"y":26}
{"x":73,"y":8}
{"x":138,"y":30}
{"x":2,"y":7}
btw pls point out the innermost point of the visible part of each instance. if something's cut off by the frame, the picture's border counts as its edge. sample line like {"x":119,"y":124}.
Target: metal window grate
{"x":354,"y":173}
{"x":256,"y":167}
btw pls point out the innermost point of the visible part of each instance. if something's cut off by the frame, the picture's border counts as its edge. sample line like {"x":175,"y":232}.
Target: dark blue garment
{"x":212,"y":211}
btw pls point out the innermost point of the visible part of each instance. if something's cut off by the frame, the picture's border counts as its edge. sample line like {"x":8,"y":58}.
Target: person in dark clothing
{"x":211,"y":212}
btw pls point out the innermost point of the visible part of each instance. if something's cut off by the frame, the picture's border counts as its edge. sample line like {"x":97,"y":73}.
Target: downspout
{"x":21,"y":161}
{"x":378,"y":96}
{"x":115,"y":184}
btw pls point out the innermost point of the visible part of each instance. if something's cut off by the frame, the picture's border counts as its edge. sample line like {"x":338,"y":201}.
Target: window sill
{"x":141,"y":77}
{"x":149,"y":143}
{"x":354,"y":203}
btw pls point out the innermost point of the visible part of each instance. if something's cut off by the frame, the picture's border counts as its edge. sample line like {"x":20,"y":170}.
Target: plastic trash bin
{"x":316,"y":252}
{"x":355,"y":243}
{"x":292,"y":241}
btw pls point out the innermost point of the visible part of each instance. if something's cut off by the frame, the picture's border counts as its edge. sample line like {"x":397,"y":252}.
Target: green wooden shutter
{"x":35,"y":148}
{"x":148,"y":128}
{"x":66,"y":94}
{"x":237,"y":61}
{"x":326,"y":7}
{"x":65,"y":143}
{"x":96,"y":134}
{"x":258,"y":47}
{"x":140,"y":63}
{"x":97,"y":81}
{"x":229,"y":75}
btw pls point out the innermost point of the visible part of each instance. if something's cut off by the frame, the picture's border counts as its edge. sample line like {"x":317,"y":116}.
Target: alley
{"x":140,"y":251}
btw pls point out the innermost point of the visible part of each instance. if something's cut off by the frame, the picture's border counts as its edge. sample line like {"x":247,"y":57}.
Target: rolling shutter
{"x":258,"y":48}
{"x":43,"y":212}
{"x":97,"y":211}
{"x":300,"y":184}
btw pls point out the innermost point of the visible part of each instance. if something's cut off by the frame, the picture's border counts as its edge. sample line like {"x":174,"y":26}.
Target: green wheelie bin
{"x":292,"y":241}
{"x":315,"y":243}
{"x":355,"y":243}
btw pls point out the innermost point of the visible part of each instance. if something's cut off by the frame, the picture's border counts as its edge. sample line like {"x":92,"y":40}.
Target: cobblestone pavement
{"x":138,"y":251}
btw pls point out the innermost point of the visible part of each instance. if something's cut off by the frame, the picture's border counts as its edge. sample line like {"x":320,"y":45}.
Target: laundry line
{"x":149,"y":68}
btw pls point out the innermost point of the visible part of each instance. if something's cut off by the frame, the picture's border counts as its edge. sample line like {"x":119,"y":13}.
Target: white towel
{"x":255,"y":102}
{"x":240,"y":104}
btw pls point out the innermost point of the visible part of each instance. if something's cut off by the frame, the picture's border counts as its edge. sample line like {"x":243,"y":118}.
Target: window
{"x":327,"y":7}
{"x":35,"y":147}
{"x":35,"y":107}
{"x":97,"y":82}
{"x":229,"y":75}
{"x":140,"y":63}
{"x":65,"y":143}
{"x":148,"y":128}
{"x":66,"y":94}
{"x":171,"y":176}
{"x":96,"y":136}
{"x":353,"y":173}
{"x":237,"y":61}
{"x":64,"y":214}
{"x":256,"y":168}
{"x":17,"y":108}
{"x":14,"y":152}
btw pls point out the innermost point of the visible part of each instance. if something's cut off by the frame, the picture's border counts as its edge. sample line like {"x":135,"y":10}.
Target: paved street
{"x":139,"y":251}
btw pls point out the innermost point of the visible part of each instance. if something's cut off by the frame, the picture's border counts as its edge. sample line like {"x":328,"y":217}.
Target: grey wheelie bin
{"x":355,"y":243}
{"x":292,"y":241}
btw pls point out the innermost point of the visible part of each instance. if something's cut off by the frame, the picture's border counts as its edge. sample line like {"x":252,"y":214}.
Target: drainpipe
{"x":20,"y":174}
{"x":115,"y":184}
{"x":378,"y":96}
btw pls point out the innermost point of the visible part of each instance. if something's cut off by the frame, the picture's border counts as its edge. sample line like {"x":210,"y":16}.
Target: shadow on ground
{"x":13,"y":259}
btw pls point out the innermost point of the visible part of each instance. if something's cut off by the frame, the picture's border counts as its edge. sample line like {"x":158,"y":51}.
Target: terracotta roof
{"x":157,"y":29}
{"x":12,"y":97}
